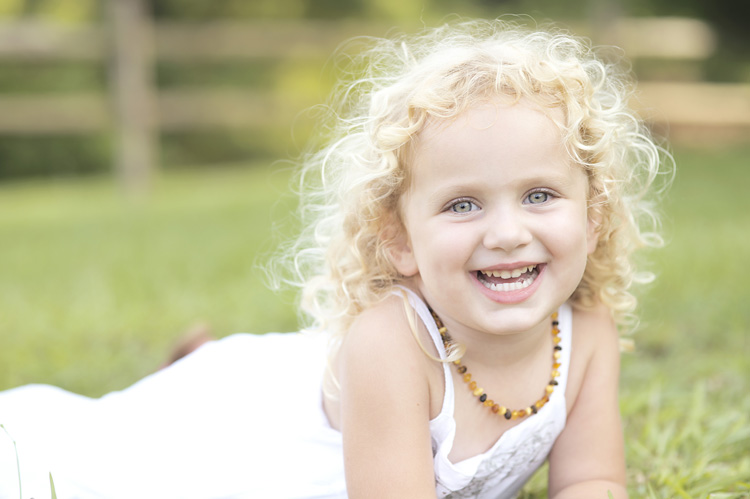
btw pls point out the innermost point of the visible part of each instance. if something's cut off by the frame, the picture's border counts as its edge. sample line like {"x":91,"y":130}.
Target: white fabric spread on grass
{"x":240,"y":417}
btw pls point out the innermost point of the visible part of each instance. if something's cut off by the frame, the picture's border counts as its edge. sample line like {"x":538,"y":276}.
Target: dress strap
{"x":420,"y":307}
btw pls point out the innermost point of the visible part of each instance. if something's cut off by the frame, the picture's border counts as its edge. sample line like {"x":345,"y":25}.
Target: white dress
{"x":240,"y":417}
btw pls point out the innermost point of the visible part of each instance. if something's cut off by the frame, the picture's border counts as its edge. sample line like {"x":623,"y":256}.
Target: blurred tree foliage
{"x":302,"y":78}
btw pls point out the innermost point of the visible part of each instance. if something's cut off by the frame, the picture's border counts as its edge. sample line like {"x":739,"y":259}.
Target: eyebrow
{"x":560,"y":179}
{"x":563,"y":180}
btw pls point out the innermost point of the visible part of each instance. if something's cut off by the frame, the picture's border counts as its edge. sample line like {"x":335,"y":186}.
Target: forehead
{"x":502,"y":123}
{"x":493,"y":136}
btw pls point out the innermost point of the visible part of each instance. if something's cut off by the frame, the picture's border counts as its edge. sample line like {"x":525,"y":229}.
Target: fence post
{"x":603,"y":17}
{"x":131,"y":79}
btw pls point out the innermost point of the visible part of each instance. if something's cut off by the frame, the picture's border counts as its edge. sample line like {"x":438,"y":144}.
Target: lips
{"x":507,"y":280}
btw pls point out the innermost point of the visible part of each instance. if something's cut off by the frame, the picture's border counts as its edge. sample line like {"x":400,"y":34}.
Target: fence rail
{"x":131,"y":88}
{"x":675,"y":104}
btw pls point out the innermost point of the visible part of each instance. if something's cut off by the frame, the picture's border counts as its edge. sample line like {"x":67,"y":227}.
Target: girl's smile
{"x":511,"y":284}
{"x":497,"y":230}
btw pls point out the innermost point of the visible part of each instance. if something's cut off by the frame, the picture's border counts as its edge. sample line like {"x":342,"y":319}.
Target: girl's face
{"x":497,"y":233}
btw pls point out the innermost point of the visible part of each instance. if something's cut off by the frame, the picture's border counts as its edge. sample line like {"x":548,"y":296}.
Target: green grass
{"x":684,"y":391}
{"x":95,"y":289}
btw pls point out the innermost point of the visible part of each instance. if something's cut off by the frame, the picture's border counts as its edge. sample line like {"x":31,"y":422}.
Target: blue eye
{"x":537,"y":198}
{"x":463,"y":207}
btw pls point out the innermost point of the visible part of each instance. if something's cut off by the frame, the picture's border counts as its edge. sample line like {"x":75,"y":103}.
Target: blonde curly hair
{"x":350,"y":189}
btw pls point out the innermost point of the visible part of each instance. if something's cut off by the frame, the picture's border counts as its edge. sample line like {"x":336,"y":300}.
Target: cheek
{"x":571,"y":235}
{"x":442,"y":248}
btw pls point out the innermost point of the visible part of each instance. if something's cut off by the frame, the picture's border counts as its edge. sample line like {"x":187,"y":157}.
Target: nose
{"x":507,"y":229}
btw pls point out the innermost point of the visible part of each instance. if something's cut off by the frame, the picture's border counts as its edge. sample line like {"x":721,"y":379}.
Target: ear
{"x":398,"y":248}
{"x":592,"y":229}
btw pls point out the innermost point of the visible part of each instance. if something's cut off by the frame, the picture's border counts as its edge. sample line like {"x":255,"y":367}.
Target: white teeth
{"x":509,"y":286}
{"x":507,"y":274}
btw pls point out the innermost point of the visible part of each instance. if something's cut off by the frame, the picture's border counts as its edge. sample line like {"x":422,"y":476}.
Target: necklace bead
{"x":478,"y":391}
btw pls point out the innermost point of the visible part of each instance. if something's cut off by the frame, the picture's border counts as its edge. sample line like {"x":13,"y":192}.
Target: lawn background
{"x":95,"y":289}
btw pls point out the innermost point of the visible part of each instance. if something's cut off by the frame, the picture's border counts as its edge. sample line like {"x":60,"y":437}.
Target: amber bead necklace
{"x":479,"y":391}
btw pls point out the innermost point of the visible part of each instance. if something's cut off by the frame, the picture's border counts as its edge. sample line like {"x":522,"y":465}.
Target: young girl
{"x":468,"y":249}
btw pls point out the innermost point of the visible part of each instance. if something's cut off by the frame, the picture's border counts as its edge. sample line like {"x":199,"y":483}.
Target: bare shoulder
{"x":589,"y":452}
{"x":595,"y":347}
{"x":594,"y":327}
{"x":388,"y":336}
{"x":381,"y":355}
{"x":386,"y":333}
{"x":385,"y":404}
{"x":594,"y":338}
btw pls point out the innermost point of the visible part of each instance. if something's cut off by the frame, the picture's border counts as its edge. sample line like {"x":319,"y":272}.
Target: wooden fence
{"x":135,"y":111}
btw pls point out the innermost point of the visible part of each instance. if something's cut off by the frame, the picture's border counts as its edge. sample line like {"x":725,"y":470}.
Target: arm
{"x":588,"y":459}
{"x":385,"y":408}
